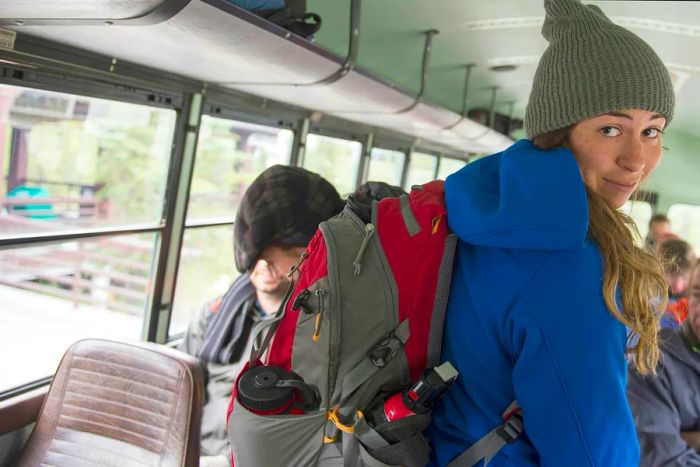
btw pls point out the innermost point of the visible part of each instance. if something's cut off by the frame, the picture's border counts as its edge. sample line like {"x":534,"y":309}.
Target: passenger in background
{"x":548,"y":281}
{"x":277,"y":216}
{"x":678,"y":258}
{"x":666,"y":409}
{"x":659,"y":227}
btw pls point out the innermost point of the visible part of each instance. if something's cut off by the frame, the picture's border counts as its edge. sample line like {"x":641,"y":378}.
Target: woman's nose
{"x":633,"y":157}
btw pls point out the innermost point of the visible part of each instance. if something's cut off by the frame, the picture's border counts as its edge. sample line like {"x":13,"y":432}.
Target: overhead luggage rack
{"x":216,"y":43}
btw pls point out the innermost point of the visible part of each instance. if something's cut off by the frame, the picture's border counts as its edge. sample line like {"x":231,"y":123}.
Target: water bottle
{"x":272,"y":390}
{"x":420,"y":397}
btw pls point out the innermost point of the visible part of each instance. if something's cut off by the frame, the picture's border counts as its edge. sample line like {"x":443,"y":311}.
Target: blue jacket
{"x":526,"y":318}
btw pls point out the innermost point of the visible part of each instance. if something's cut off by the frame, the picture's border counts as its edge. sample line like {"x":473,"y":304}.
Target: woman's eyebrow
{"x":618,"y":114}
{"x":624,"y":115}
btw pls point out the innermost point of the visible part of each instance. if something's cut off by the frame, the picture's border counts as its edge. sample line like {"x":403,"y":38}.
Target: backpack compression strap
{"x":493,"y":442}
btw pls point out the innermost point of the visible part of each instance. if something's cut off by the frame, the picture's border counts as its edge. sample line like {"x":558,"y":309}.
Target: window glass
{"x":70,"y":161}
{"x":230,"y":155}
{"x":206,"y":270}
{"x":421,"y":169}
{"x":53,"y":295}
{"x":337,"y":160}
{"x":386,"y":166}
{"x":640,"y":212}
{"x":685,"y":221}
{"x":449,"y":166}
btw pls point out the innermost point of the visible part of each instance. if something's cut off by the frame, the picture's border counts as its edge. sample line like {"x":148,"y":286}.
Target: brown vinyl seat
{"x":117,"y":404}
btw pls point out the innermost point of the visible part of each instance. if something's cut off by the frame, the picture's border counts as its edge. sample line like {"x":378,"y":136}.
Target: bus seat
{"x":118,"y":404}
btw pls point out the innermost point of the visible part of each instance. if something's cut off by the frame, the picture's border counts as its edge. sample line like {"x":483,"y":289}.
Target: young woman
{"x":550,"y":294}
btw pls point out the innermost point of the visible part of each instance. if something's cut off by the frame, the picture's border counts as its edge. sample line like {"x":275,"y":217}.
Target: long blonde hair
{"x":637,"y":273}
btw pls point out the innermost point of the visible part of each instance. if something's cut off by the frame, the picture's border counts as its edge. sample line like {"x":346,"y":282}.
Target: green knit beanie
{"x":592,"y":66}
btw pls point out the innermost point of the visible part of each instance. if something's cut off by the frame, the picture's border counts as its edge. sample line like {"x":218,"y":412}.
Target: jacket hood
{"x":523,"y":198}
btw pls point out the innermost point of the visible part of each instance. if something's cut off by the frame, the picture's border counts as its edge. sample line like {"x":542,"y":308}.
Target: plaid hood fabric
{"x":284,"y":205}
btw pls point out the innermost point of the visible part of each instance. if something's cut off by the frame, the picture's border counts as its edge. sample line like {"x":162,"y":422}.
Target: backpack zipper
{"x":386,"y":275}
{"x":317,"y":326}
{"x":369,"y":231}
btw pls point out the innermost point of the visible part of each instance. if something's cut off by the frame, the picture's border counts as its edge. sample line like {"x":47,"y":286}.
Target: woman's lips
{"x":621,"y":186}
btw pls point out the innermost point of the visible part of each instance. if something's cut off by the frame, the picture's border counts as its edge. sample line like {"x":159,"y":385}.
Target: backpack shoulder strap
{"x":488,"y":446}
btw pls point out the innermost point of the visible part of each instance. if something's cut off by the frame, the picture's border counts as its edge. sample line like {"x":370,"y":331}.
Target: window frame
{"x":164,"y":229}
{"x":400,"y":150}
{"x":222,"y":111}
{"x":409,"y":159}
{"x":333,"y":134}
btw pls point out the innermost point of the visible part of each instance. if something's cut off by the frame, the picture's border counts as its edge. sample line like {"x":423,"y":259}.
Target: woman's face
{"x":694,"y":302}
{"x":617,"y":151}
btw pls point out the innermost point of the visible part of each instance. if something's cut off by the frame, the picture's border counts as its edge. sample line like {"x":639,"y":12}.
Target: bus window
{"x":230,"y":155}
{"x":449,"y":166}
{"x":207,"y":268}
{"x":386,"y":166}
{"x":640,"y":212}
{"x":53,"y":295}
{"x":69,"y":162}
{"x":685,"y":221}
{"x":337,"y":160}
{"x":421,"y":169}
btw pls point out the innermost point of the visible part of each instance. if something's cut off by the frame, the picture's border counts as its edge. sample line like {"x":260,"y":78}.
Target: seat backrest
{"x":117,"y":404}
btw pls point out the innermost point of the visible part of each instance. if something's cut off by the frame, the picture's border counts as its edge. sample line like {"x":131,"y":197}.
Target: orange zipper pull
{"x":317,"y":325}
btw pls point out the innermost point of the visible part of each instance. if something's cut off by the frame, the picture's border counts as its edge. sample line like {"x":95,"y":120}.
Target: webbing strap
{"x":370,"y":461}
{"x":364,"y":370}
{"x":351,"y":449}
{"x":257,"y":353}
{"x":488,"y":446}
{"x":409,"y":219}
{"x":369,"y":436}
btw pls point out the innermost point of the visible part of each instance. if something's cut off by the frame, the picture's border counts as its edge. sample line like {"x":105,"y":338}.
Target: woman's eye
{"x":610,"y":131}
{"x":652,"y":132}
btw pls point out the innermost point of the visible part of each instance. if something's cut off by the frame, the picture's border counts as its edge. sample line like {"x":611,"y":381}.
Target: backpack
{"x":289,"y":14}
{"x":362,"y":321}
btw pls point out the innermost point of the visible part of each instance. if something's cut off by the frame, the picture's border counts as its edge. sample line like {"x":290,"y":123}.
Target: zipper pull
{"x":369,"y":231}
{"x":298,"y":264}
{"x":302,"y":301}
{"x":317,"y":326}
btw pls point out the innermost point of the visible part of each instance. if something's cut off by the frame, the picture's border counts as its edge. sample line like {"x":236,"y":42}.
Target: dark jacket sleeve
{"x":658,"y":422}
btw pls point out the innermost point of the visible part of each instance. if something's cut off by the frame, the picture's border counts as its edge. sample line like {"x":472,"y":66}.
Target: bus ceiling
{"x":222,"y":46}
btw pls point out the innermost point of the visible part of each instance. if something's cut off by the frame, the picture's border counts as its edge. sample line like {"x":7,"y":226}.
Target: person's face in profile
{"x":617,"y":151}
{"x":694,"y":302}
{"x":659,"y":229}
{"x":269,"y":274}
{"x":678,"y":282}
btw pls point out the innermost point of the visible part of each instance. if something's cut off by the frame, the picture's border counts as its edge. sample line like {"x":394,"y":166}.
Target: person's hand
{"x":692,"y":438}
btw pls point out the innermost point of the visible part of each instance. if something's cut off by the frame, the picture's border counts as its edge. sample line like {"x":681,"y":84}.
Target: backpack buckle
{"x":384,"y":352}
{"x":511,"y":429}
{"x":387,"y":349}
